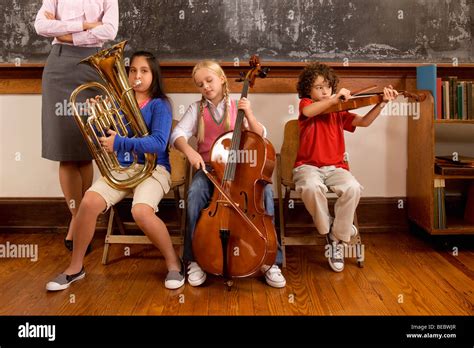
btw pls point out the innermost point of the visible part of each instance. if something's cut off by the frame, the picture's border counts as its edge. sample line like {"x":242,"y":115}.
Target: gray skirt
{"x":61,"y":137}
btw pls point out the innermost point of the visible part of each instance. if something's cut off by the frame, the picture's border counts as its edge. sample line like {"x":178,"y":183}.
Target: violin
{"x":357,"y":101}
{"x":234,"y":236}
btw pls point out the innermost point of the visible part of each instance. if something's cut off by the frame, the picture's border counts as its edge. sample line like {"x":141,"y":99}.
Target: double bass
{"x":234,"y":236}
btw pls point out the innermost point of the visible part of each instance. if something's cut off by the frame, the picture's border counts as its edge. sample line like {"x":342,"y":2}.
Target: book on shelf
{"x":457,"y":99}
{"x":470,"y":101}
{"x":453,"y":98}
{"x":453,"y":170}
{"x":453,"y":107}
{"x":439,"y":208}
{"x":439,"y":98}
{"x":458,"y":160}
{"x":445,"y":100}
{"x":426,"y":79}
{"x":447,"y":165}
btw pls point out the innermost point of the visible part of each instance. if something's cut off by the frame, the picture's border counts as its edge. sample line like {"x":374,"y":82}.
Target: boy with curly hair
{"x":320,"y":159}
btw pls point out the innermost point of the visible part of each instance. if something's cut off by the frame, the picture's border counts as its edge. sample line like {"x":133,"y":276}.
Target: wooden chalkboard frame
{"x":281,"y":78}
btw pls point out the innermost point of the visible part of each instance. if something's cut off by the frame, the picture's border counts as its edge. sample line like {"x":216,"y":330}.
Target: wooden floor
{"x":404,"y":274}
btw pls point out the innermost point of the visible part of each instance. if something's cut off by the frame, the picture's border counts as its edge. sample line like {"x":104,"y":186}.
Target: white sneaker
{"x":174,"y":279}
{"x":275,"y":278}
{"x":354,"y":231}
{"x":196,"y":276}
{"x":336,"y":254}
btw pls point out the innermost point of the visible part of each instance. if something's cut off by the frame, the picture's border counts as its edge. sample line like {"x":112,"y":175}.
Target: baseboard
{"x":31,"y":215}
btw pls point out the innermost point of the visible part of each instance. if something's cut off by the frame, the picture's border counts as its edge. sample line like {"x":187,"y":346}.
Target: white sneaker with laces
{"x":274,"y":277}
{"x":196,"y":276}
{"x":336,"y":254}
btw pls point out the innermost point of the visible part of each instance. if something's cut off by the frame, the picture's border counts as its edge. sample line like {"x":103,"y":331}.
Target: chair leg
{"x":181,"y":219}
{"x":281,"y":211}
{"x":283,"y":252}
{"x":284,"y":216}
{"x":110,"y":227}
{"x":358,"y":244}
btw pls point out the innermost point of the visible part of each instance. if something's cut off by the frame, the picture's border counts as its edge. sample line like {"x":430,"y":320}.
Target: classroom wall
{"x":377,"y":154}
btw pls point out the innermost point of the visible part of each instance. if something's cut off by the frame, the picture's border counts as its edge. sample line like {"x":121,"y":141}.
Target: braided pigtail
{"x":201,"y":129}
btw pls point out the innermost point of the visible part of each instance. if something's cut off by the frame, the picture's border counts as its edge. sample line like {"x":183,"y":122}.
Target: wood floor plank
{"x":319,"y":275}
{"x":431,"y":280}
{"x":218,"y":297}
{"x":260,"y":303}
{"x":375,"y":304}
{"x":274,"y":299}
{"x":431,"y":264}
{"x":456,"y":287}
{"x":396,"y":283}
{"x":413,"y":287}
{"x":246,"y":306}
{"x":382,"y":300}
{"x":302,"y":274}
{"x":196,"y":300}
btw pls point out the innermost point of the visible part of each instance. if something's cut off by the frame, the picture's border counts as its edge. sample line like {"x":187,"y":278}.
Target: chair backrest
{"x":179,"y":165}
{"x":289,"y":149}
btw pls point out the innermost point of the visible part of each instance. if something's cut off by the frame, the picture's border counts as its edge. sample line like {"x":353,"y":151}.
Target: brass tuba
{"x":120,"y":104}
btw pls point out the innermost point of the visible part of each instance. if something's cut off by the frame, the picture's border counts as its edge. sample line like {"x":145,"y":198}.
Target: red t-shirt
{"x":322,"y":138}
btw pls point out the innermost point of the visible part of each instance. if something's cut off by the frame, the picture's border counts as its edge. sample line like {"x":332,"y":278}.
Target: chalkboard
{"x":277,"y":30}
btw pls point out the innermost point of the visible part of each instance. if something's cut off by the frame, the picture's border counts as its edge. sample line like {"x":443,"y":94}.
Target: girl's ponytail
{"x":227,"y":106}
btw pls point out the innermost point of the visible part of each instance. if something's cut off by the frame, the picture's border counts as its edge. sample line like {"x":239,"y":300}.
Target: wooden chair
{"x":179,"y":179}
{"x":285,"y":161}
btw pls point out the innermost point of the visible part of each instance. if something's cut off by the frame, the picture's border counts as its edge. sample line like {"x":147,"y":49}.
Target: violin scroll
{"x":419,"y":96}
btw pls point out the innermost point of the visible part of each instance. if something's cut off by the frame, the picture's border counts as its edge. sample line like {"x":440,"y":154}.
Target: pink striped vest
{"x":212,"y":130}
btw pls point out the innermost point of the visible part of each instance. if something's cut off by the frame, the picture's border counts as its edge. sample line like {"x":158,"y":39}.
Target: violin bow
{"x":418,"y":97}
{"x":360,"y":91}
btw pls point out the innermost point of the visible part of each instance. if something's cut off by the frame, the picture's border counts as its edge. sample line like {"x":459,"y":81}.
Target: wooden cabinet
{"x":422,"y":179}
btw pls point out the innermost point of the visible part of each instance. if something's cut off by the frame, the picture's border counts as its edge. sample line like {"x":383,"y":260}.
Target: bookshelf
{"x":424,"y":185}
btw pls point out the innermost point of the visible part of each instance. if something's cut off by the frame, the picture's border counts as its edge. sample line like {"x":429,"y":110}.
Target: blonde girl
{"x":206,"y":120}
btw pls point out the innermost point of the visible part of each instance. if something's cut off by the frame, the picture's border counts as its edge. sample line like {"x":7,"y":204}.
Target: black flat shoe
{"x":69,"y":245}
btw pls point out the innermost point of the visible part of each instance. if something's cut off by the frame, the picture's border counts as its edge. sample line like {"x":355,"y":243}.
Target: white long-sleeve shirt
{"x":188,"y":125}
{"x":70,"y":16}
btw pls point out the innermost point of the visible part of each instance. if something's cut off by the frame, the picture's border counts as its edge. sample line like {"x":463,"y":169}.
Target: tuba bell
{"x":117,"y":111}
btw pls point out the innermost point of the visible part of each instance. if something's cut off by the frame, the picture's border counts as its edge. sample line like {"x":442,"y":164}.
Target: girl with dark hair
{"x":145,"y":78}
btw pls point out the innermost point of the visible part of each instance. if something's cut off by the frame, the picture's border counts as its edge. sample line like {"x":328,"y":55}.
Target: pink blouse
{"x":70,"y":15}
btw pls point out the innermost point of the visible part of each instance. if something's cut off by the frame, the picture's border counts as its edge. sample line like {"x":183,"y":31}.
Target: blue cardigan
{"x":158,"y":117}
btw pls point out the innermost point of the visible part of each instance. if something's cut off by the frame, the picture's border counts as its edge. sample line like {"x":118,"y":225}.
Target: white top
{"x":188,"y":126}
{"x":70,"y":16}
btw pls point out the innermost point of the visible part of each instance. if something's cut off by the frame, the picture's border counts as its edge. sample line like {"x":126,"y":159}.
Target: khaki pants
{"x":312,"y":184}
